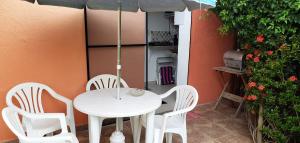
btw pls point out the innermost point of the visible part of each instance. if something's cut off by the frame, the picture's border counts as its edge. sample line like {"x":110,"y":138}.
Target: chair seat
{"x":41,"y":127}
{"x":44,"y":123}
{"x":173,"y":123}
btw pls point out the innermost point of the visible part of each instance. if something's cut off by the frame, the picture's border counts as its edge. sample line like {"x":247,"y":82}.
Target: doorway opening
{"x":161,"y":55}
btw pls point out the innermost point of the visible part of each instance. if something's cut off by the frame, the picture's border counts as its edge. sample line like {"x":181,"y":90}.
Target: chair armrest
{"x":59,"y":116}
{"x":165,"y":95}
{"x":168,"y":93}
{"x":70,"y":111}
{"x":62,"y":99}
{"x":68,"y":103}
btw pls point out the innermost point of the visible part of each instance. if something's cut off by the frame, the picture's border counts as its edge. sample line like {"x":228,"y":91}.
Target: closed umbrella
{"x":132,"y":6}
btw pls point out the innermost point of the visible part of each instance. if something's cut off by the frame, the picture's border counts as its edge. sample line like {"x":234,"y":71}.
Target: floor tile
{"x":204,"y":125}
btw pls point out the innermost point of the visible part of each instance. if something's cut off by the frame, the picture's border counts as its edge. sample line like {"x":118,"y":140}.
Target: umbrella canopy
{"x":132,"y":5}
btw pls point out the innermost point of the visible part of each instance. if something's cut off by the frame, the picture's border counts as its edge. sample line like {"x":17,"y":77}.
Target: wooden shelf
{"x":226,"y":94}
{"x":229,"y":70}
{"x":232,"y":97}
{"x":167,"y":47}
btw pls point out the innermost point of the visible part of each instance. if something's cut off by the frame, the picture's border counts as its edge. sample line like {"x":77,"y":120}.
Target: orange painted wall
{"x":42,"y":44}
{"x":206,"y":51}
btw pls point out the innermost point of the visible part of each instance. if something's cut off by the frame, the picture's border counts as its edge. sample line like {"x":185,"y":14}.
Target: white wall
{"x":156,"y":22}
{"x":183,"y":46}
{"x":153,"y":54}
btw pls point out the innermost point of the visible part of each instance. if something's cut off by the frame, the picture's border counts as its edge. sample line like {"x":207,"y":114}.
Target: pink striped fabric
{"x":166,"y":75}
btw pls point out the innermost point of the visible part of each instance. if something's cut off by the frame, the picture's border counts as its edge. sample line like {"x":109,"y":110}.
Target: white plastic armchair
{"x":175,"y":121}
{"x":29,"y":97}
{"x":12,"y":120}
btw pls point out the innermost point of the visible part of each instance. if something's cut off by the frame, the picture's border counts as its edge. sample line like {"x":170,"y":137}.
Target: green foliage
{"x":269,"y":34}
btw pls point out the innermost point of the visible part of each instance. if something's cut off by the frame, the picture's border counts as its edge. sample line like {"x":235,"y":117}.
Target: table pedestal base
{"x":117,"y":137}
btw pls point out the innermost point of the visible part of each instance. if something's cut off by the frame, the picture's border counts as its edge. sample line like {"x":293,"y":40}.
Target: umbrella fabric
{"x":127,"y":5}
{"x":65,"y":3}
{"x":132,"y":5}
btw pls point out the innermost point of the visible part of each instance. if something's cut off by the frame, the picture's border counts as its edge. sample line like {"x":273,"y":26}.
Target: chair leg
{"x":184,"y":136}
{"x":72,"y":127}
{"x":159,"y":79}
{"x":156,"y":138}
{"x":100,"y":126}
{"x":169,"y":138}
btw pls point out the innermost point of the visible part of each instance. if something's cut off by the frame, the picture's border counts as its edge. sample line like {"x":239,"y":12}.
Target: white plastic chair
{"x":175,"y":121}
{"x":29,"y":97}
{"x":12,"y":120}
{"x":108,"y":81}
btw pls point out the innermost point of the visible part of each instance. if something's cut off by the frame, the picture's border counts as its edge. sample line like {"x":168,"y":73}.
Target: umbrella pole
{"x":119,"y":53}
{"x":119,"y":60}
{"x":117,"y":136}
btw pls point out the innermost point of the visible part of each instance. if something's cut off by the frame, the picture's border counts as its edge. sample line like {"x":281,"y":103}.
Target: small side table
{"x":225,"y":93}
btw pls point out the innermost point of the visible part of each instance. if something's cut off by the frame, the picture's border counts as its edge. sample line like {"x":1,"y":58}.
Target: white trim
{"x":183,"y":46}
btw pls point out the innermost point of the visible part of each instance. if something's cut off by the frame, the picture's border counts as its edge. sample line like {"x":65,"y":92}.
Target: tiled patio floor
{"x":204,"y":126}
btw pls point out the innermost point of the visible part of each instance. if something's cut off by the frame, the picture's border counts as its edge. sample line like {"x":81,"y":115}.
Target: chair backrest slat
{"x":104,"y":81}
{"x":20,"y":102}
{"x":39,"y":95}
{"x":186,"y":97}
{"x":35,"y":93}
{"x":35,"y":99}
{"x":28,"y":94}
{"x":22,"y":95}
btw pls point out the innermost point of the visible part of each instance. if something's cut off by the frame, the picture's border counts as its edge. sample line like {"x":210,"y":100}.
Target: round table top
{"x":103,"y":103}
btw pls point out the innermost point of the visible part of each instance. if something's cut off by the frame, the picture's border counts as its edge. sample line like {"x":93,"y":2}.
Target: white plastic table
{"x":103,"y":103}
